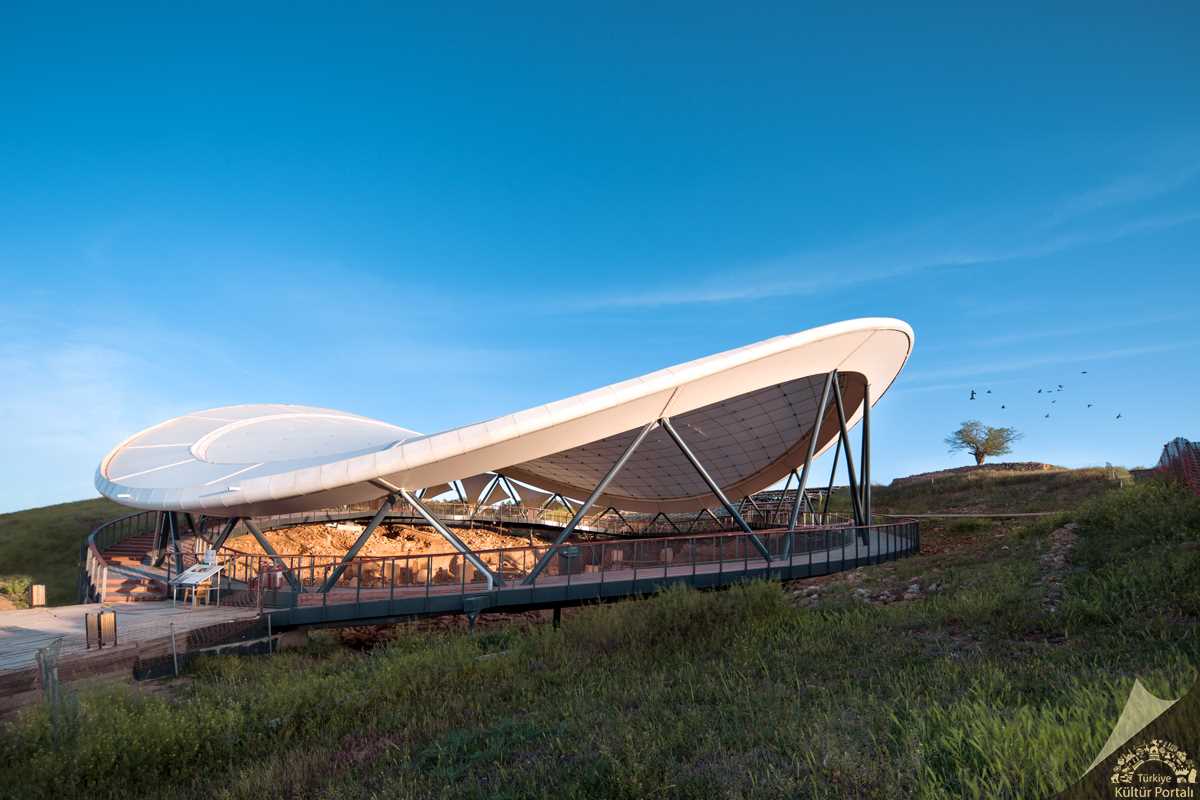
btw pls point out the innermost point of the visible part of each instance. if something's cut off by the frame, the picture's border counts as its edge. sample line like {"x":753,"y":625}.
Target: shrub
{"x":16,"y":588}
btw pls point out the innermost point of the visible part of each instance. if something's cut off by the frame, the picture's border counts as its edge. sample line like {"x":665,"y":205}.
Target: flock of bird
{"x":1046,"y":392}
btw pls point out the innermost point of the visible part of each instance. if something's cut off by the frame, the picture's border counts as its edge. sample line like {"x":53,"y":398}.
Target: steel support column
{"x":468,"y":554}
{"x":587,"y":504}
{"x":620,"y":516}
{"x":384,"y":509}
{"x":670,"y":521}
{"x":866,"y":456}
{"x":712,"y":487}
{"x":224,"y":534}
{"x":812,"y":450}
{"x":783,"y":492}
{"x":288,"y":575}
{"x":173,"y":527}
{"x":855,"y":498}
{"x":160,"y":540}
{"x":837,"y":452}
{"x":508,"y":487}
{"x":478,"y":502}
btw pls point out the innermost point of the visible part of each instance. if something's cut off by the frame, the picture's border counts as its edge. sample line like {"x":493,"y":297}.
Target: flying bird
{"x":989,"y":391}
{"x":972,"y":394}
{"x":1084,"y":372}
{"x":1001,"y":407}
{"x":1047,"y":416}
{"x":1089,"y":405}
{"x":1118,"y":416}
{"x":1039,"y":391}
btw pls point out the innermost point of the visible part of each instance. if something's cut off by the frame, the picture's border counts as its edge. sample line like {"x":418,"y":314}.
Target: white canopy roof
{"x":747,"y":414}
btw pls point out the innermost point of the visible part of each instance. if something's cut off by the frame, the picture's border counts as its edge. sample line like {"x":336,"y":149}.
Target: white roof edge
{"x":502,"y":441}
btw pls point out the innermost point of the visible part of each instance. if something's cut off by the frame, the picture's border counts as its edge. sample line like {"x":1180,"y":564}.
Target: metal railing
{"x":246,"y":567}
{"x":732,"y":554}
{"x":466,"y":515}
{"x":258,"y":572}
{"x":93,"y":568}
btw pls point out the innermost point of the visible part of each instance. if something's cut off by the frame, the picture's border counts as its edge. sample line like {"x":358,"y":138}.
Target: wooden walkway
{"x":382,"y":600}
{"x":24,"y":631}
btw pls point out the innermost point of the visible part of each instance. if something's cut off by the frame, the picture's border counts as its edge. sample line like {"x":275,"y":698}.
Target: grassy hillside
{"x":993,"y":492}
{"x":42,"y":544}
{"x":974,"y":688}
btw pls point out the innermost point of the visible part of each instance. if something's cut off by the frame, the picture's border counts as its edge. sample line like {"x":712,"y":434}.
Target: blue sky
{"x":434,"y":217}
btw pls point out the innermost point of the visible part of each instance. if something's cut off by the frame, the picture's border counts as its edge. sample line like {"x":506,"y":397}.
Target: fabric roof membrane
{"x":746,"y":413}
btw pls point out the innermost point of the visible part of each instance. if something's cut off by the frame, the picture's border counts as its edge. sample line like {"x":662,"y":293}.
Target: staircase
{"x":130,"y":576}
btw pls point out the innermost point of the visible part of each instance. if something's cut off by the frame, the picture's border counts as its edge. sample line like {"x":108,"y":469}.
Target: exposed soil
{"x":1054,"y":564}
{"x":388,"y":540}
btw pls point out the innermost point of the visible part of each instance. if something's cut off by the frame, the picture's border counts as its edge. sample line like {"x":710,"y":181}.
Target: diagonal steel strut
{"x":227,"y":529}
{"x":587,"y":504}
{"x":855,"y":497}
{"x":292,"y":580}
{"x":712,"y":487}
{"x":384,"y":509}
{"x":812,"y":449}
{"x":468,"y":554}
{"x":173,"y":527}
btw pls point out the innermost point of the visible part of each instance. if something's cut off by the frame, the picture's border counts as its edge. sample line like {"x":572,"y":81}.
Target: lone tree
{"x":982,"y":440}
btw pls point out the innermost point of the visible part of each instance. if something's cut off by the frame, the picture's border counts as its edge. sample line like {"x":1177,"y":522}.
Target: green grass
{"x":975,"y":691}
{"x":41,"y":545}
{"x":991,"y":492}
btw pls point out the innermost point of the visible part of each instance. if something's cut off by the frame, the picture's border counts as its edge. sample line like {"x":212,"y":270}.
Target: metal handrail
{"x":442,"y":572}
{"x":93,"y":567}
{"x":757,"y":521}
{"x":246,"y":567}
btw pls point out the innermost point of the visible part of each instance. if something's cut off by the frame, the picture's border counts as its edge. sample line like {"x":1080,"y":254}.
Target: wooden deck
{"x":24,"y":631}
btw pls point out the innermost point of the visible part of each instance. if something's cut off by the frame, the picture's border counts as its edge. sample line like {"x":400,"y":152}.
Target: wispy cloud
{"x":68,"y":403}
{"x":998,"y":367}
{"x":814,"y":273}
{"x":1106,"y":324}
{"x":1124,"y":191}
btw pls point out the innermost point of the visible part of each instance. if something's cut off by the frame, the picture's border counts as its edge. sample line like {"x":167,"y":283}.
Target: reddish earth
{"x":388,"y":540}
